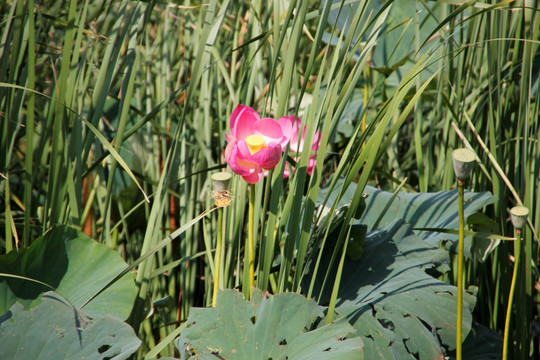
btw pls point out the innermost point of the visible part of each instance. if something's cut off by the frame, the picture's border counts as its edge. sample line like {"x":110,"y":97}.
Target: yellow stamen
{"x":255,"y":143}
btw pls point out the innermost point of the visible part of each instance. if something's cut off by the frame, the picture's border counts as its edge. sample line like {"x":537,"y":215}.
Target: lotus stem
{"x":217,"y":258}
{"x":463,"y":161}
{"x":519,"y":219}
{"x":251,"y":241}
{"x":221,"y":195}
{"x":461,"y":240}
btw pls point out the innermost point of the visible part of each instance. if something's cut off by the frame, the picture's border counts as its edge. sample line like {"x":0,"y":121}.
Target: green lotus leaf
{"x":55,"y":329}
{"x":394,"y":53}
{"x":399,"y":310}
{"x":267,"y":327}
{"x":76,"y":266}
{"x":421,"y":210}
{"x":426,"y":210}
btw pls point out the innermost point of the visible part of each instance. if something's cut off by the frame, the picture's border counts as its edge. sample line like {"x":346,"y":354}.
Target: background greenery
{"x":113,"y":116}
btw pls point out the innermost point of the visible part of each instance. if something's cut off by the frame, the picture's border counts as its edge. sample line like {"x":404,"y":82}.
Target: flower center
{"x":255,"y":143}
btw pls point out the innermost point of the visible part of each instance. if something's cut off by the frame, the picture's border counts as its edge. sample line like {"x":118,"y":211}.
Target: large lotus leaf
{"x":395,"y":50}
{"x":421,"y":210}
{"x":75,"y":266}
{"x":267,"y":327}
{"x":55,"y":329}
{"x":400,"y":311}
{"x":424,"y":210}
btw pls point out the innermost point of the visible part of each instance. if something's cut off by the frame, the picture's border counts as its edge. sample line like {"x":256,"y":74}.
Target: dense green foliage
{"x":113,"y":115}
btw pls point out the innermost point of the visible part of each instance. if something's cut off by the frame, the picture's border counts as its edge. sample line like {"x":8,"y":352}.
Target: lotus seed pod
{"x":519,"y":215}
{"x":221,"y":181}
{"x":463,"y":160}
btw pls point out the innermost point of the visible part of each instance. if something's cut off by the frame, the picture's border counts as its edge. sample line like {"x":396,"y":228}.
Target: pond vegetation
{"x":269,"y":180}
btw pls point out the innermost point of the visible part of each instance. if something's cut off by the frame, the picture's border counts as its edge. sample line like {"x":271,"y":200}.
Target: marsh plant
{"x":255,"y":180}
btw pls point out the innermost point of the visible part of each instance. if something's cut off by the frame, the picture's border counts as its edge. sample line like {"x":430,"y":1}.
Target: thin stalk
{"x":463,"y":161}
{"x":217,"y":261}
{"x":418,"y":118}
{"x":517,"y":249}
{"x":28,"y":159}
{"x":8,"y":218}
{"x":337,"y":282}
{"x":221,"y":195}
{"x":251,"y":240}
{"x":461,"y":236}
{"x":519,"y":217}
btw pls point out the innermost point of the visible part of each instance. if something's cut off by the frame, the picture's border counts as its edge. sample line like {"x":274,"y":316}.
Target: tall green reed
{"x":125,"y":92}
{"x":486,"y":90}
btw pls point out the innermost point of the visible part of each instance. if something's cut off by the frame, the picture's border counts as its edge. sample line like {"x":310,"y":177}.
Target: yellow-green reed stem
{"x":251,"y":237}
{"x":217,"y":258}
{"x":517,"y":252}
{"x":461,"y":240}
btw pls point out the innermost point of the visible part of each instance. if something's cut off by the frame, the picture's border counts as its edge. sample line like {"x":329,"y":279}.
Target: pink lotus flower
{"x":255,"y":144}
{"x":297,"y":145}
